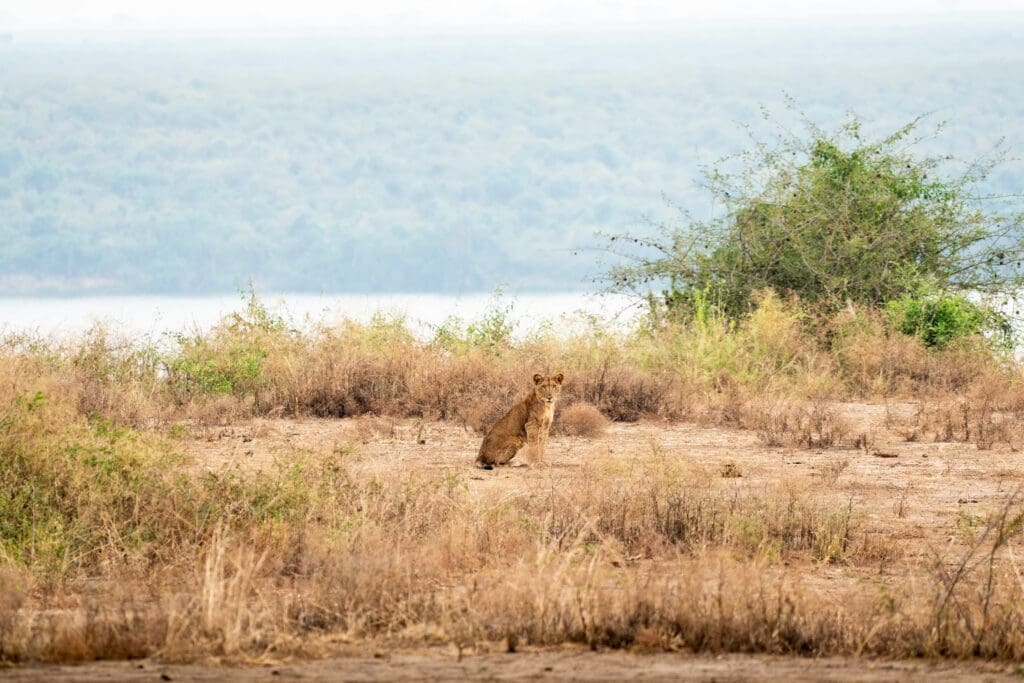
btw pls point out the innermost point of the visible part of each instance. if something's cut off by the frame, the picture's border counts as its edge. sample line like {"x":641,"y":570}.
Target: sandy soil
{"x":911,"y":491}
{"x":560,"y":665}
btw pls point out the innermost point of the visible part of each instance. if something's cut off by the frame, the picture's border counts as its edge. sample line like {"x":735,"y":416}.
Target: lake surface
{"x":155,"y":315}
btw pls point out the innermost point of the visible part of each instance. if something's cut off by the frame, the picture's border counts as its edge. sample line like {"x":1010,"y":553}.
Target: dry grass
{"x":832,"y":470}
{"x":730,"y":471}
{"x":656,"y":557}
{"x":255,"y":364}
{"x":872,"y":359}
{"x":796,"y":425}
{"x":580,"y":419}
{"x":990,"y":414}
{"x":114,"y":544}
{"x":652,"y":559}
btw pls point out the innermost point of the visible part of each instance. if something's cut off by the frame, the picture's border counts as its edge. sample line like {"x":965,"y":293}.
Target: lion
{"x":527,"y":422}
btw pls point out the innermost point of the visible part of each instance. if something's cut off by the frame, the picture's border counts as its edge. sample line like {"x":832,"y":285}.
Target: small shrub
{"x":833,"y":534}
{"x":228,"y":361}
{"x":492,"y":331}
{"x":940,"y":318}
{"x":580,"y":419}
{"x":830,"y":471}
{"x":804,"y":426}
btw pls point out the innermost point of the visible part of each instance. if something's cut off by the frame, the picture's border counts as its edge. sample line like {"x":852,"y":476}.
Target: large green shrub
{"x":832,"y":218}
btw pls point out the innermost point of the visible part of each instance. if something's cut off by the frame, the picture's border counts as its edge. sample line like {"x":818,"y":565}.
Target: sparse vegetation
{"x":978,"y":420}
{"x":712,"y":370}
{"x":244,"y":564}
{"x":187,"y":561}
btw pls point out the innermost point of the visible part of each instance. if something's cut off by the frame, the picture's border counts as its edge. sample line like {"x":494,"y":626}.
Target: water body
{"x":156,"y":315}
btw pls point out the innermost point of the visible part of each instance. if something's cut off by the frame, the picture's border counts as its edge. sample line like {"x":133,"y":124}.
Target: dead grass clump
{"x":122,"y":628}
{"x":219,"y":410}
{"x":371,"y":428}
{"x":14,"y":632}
{"x":226,"y":615}
{"x":865,"y":441}
{"x":831,"y":470}
{"x":989,"y":413}
{"x":965,"y":420}
{"x":580,"y":419}
{"x":448,"y":386}
{"x":626,"y":394}
{"x":730,"y":470}
{"x":875,"y":360}
{"x":878,"y":547}
{"x":661,"y":509}
{"x":795,"y":425}
{"x":729,"y":405}
{"x":116,"y":377}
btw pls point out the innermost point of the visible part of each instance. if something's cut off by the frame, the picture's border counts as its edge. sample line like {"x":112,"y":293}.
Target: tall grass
{"x":256,"y":363}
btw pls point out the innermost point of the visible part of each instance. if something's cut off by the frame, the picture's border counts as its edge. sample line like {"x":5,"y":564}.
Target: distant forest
{"x":331,"y":164}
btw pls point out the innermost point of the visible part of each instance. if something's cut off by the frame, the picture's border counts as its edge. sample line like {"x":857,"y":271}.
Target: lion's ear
{"x":538,"y":378}
{"x":558,"y":378}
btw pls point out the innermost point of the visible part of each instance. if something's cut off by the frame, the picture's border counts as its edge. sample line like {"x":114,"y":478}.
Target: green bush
{"x":80,"y":493}
{"x":492,"y":331}
{"x":940,"y":318}
{"x":230,"y":359}
{"x":834,"y":219}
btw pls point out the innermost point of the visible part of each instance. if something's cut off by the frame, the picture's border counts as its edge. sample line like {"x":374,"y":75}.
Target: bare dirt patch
{"x":917,"y":500}
{"x":914,"y":491}
{"x":570,"y":664}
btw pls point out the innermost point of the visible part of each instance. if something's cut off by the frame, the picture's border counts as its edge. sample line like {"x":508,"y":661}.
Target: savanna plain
{"x":814,"y":497}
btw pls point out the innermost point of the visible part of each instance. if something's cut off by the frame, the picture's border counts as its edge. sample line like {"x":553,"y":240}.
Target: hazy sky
{"x":443,"y":14}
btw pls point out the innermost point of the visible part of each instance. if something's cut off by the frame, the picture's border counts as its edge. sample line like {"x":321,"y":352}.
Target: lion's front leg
{"x":536,"y":440}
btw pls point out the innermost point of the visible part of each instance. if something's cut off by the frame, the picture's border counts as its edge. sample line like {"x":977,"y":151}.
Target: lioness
{"x":527,"y":422}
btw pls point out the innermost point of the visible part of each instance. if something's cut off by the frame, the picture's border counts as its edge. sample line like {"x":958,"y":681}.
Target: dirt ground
{"x":913,"y":494}
{"x":557,"y":665}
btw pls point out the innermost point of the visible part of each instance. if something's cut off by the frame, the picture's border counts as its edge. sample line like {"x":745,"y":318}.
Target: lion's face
{"x":547,"y":388}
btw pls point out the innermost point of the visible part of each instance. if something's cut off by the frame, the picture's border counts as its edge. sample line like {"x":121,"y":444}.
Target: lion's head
{"x":547,"y":388}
